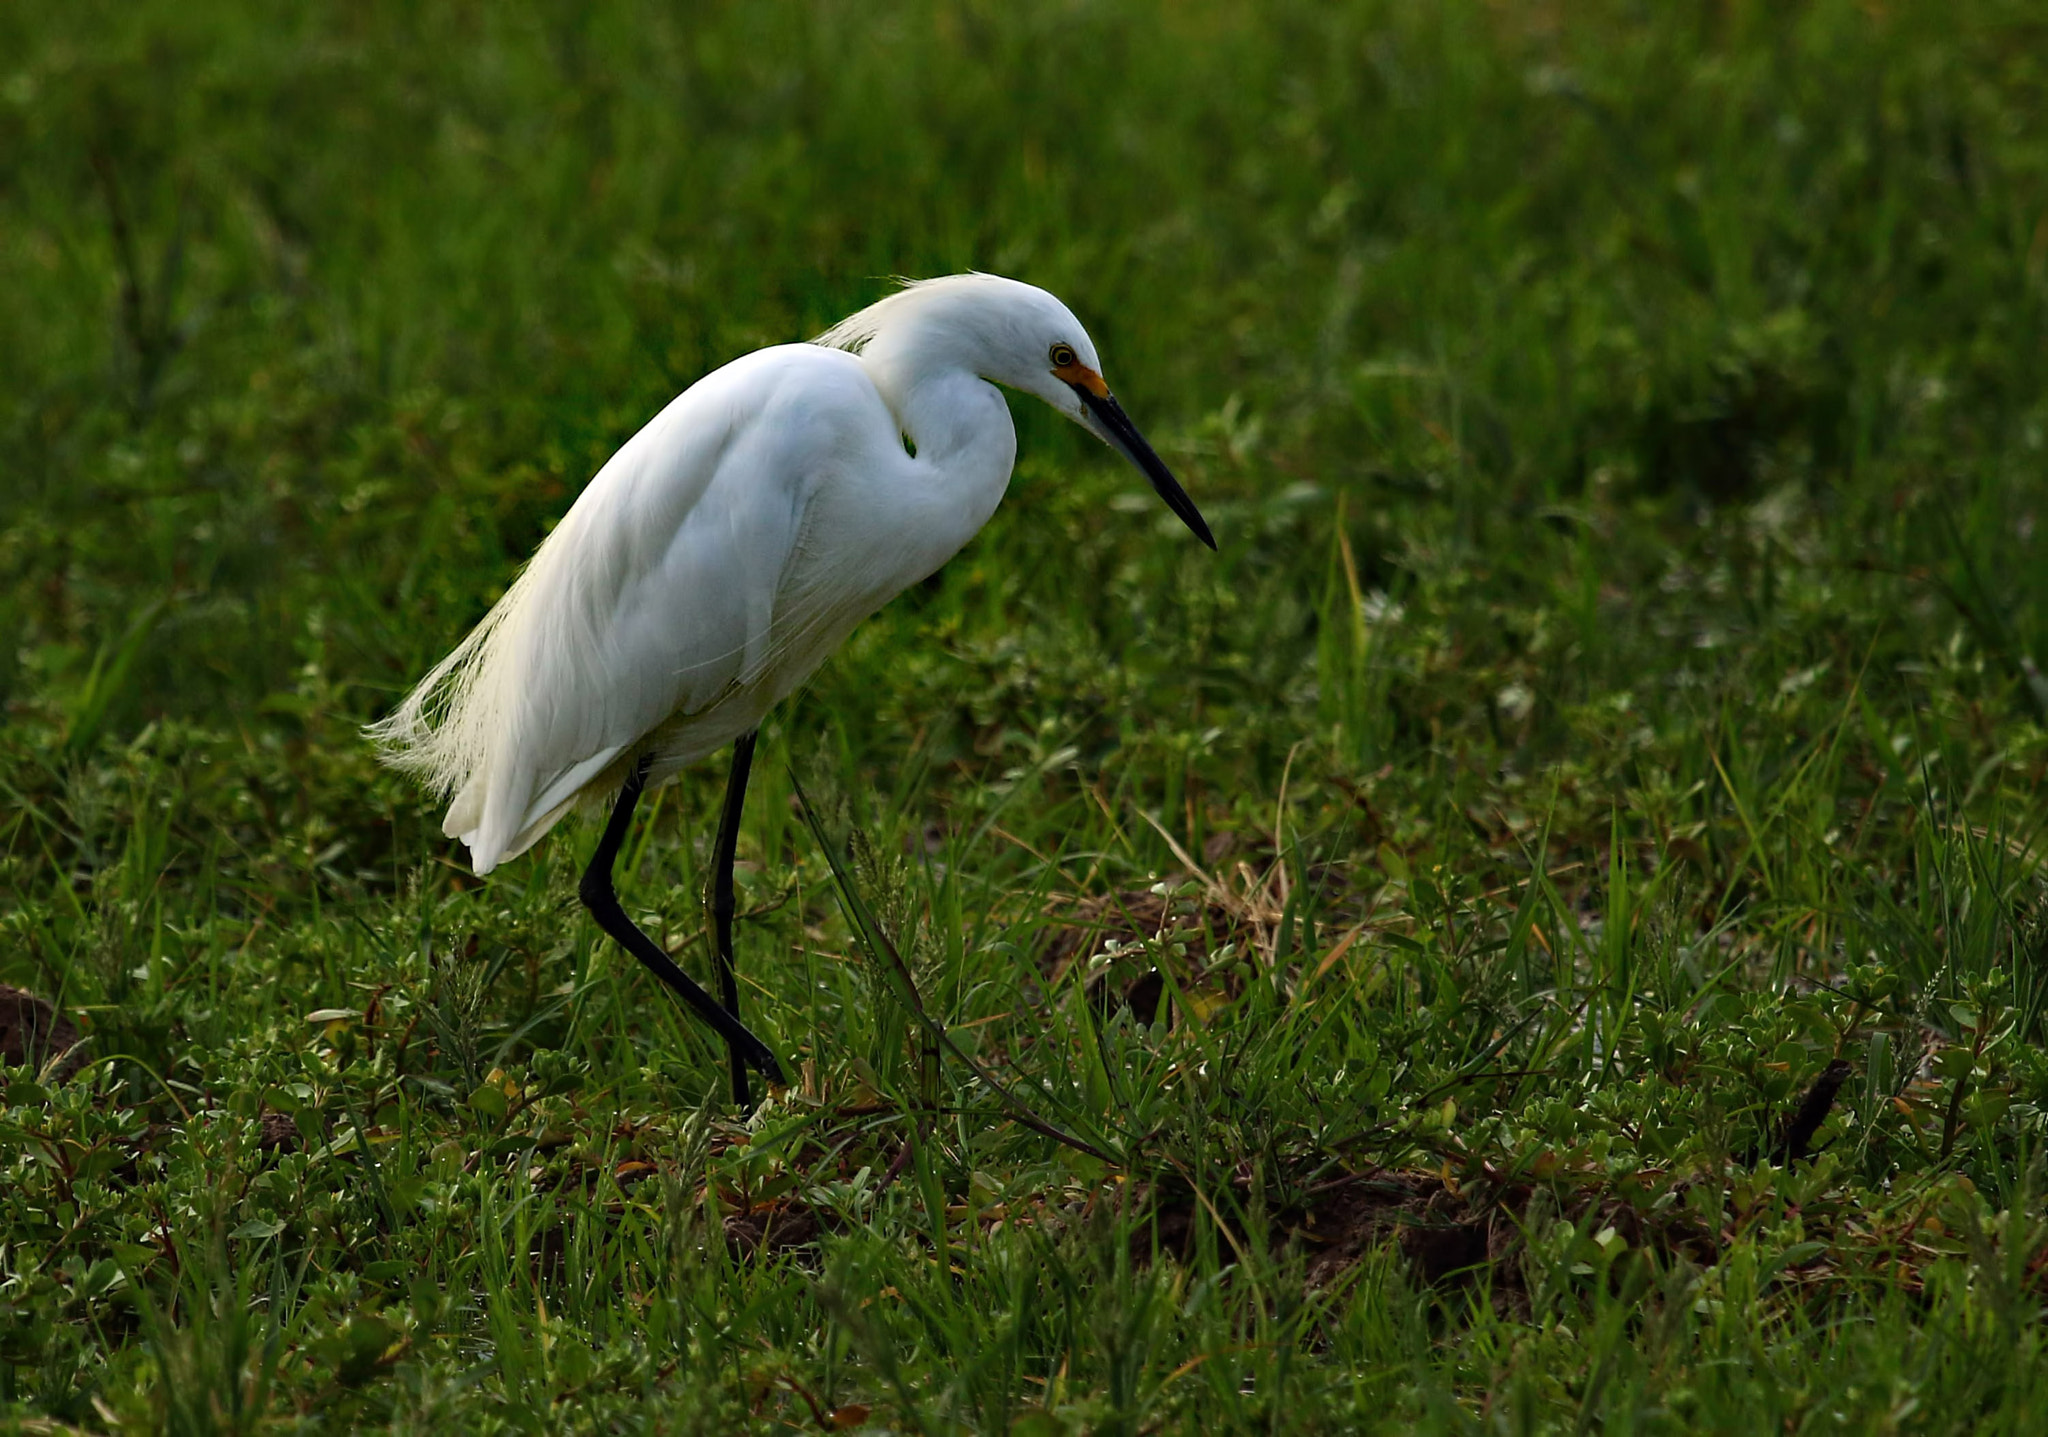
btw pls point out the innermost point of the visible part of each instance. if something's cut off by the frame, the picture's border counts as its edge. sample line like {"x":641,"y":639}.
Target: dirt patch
{"x":1139,"y":915}
{"x":1145,"y":996}
{"x":1444,"y":1234}
{"x":32,"y":1032}
{"x":1449,"y":1233}
{"x":1147,"y":930}
{"x":277,"y":1133}
{"x":1203,"y":931}
{"x":771,"y":1229}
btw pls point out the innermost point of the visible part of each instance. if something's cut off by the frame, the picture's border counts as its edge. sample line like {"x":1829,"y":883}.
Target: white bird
{"x":720,"y":556}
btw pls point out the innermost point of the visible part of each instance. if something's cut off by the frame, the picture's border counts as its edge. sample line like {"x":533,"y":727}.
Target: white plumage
{"x":729,"y":546}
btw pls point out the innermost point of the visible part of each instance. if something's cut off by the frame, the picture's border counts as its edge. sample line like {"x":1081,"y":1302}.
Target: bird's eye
{"x":1062,"y":355}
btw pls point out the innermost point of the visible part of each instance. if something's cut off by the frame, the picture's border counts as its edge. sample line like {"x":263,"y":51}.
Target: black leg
{"x":603,"y":902}
{"x":722,"y":900}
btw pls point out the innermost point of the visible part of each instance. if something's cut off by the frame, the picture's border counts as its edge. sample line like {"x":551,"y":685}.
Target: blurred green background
{"x":1624,"y":430}
{"x":331,"y":309}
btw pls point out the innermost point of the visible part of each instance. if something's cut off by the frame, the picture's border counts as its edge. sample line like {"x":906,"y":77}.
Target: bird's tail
{"x":442,"y":733}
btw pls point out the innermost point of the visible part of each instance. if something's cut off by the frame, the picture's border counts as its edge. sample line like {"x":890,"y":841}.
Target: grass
{"x":1611,"y":726}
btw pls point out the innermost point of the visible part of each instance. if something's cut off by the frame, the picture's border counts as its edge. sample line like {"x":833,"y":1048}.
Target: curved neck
{"x":957,"y":421}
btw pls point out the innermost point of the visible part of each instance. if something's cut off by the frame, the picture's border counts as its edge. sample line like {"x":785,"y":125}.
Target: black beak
{"x":1124,"y":436}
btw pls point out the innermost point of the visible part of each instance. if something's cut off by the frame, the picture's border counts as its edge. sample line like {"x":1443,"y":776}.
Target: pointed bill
{"x":1115,"y":427}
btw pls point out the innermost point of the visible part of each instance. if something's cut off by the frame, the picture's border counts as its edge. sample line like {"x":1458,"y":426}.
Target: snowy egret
{"x":720,"y":556}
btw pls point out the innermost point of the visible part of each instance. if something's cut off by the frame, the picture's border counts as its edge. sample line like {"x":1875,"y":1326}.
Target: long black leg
{"x":603,"y":902}
{"x":722,"y":899}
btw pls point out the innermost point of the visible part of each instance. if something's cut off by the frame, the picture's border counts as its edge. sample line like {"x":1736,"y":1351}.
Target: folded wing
{"x":654,"y":597}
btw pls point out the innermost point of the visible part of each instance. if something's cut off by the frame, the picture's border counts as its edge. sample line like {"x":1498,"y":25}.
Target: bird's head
{"x":1078,"y":390}
{"x":1023,"y":338}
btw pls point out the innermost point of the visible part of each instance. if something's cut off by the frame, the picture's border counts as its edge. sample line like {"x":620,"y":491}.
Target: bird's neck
{"x":955,"y":420}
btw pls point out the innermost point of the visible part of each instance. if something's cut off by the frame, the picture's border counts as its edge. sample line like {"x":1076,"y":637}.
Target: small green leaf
{"x":489,"y":1101}
{"x":1954,"y":1062}
{"x":1797,"y":1255}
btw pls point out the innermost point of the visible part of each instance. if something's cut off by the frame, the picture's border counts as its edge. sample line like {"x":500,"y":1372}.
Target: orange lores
{"x":1081,"y":374}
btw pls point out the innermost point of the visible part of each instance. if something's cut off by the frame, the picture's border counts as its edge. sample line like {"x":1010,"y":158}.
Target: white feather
{"x":724,"y":551}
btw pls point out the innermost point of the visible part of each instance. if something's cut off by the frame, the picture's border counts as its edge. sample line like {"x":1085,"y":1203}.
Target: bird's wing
{"x":655,"y":595}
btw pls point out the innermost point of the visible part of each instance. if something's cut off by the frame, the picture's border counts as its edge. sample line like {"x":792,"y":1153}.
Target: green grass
{"x":1614,"y":702}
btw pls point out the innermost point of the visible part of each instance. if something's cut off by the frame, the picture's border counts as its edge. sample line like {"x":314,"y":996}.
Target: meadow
{"x":1544,"y":931}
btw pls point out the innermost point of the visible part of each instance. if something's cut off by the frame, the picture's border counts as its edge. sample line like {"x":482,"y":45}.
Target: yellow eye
{"x":1062,"y":355}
